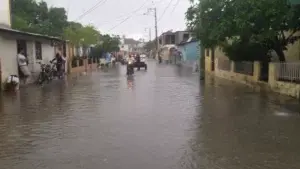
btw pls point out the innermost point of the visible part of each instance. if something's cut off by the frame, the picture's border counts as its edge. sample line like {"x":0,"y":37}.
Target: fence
{"x":243,"y":68}
{"x":224,"y":64}
{"x":288,"y":72}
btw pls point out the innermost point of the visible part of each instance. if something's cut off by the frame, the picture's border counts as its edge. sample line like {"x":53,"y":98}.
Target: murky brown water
{"x":162,"y":119}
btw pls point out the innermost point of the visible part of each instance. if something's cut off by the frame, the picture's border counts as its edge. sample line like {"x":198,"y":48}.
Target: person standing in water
{"x":22,"y":63}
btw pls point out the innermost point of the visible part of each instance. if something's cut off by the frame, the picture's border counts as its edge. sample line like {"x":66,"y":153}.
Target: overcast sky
{"x":109,"y":14}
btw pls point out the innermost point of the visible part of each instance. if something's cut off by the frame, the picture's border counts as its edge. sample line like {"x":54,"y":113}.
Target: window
{"x":172,"y":39}
{"x":186,"y":37}
{"x":38,"y":51}
{"x":207,"y":52}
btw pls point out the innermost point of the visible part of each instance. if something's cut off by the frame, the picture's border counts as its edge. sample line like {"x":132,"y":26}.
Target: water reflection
{"x":167,"y":121}
{"x":239,"y":130}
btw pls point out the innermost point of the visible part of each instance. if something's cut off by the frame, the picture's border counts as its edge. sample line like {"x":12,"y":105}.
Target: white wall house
{"x":38,"y":47}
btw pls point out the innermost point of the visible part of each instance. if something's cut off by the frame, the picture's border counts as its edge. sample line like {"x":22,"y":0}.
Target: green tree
{"x":28,"y":15}
{"x":150,"y":45}
{"x":270,"y":25}
{"x":109,"y":43}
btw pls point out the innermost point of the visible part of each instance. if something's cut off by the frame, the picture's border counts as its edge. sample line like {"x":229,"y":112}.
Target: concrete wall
{"x":8,"y":55}
{"x":191,"y":53}
{"x":285,"y":88}
{"x":293,"y":50}
{"x":47,"y":54}
{"x":179,"y":36}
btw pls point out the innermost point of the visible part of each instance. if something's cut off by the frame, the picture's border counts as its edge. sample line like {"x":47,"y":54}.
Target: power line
{"x":100,"y":2}
{"x":177,"y":2}
{"x":120,"y":23}
{"x":118,"y":19}
{"x":165,"y":10}
{"x":124,"y":20}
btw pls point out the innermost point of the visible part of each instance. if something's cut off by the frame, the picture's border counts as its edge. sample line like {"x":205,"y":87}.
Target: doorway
{"x":21,"y":45}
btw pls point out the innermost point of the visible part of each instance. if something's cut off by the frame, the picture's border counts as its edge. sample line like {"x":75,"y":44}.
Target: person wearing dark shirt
{"x":59,"y":62}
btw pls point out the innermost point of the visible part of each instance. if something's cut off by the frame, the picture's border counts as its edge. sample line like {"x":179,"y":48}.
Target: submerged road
{"x":161,"y":119}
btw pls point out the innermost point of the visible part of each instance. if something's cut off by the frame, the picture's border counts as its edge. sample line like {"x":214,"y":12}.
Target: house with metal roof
{"x":37,"y":47}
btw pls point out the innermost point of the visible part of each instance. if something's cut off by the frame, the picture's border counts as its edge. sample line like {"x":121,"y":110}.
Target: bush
{"x":246,"y":51}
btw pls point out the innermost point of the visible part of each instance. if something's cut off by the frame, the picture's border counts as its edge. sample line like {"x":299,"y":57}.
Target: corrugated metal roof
{"x":29,"y":34}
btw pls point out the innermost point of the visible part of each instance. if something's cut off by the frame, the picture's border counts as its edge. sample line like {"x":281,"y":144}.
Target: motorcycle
{"x":130,"y":69}
{"x":45,"y":74}
{"x":159,"y":59}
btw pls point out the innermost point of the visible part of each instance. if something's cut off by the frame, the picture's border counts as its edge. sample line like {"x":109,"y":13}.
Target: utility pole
{"x":149,"y":36}
{"x":154,"y":10}
{"x":156,"y":36}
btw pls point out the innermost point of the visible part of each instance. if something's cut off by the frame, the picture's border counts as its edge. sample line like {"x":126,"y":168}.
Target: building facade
{"x":174,"y":38}
{"x":191,"y":52}
{"x":37,"y":48}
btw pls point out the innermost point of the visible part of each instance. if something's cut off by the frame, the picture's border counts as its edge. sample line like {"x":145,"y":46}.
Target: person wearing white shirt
{"x":22,"y":63}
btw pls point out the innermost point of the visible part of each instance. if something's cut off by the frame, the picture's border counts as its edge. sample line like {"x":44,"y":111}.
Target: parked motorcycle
{"x":55,"y":72}
{"x":45,"y":74}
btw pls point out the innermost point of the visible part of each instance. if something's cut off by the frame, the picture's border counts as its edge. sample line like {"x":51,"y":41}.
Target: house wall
{"x":48,"y":53}
{"x":179,"y":36}
{"x":293,"y":50}
{"x":8,"y":56}
{"x":8,"y":53}
{"x":191,"y":53}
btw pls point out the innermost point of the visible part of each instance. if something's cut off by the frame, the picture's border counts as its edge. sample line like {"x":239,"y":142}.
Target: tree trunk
{"x":280,"y":54}
{"x":279,"y":50}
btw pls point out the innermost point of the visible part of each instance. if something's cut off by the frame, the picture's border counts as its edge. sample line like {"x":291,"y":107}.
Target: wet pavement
{"x":161,"y":119}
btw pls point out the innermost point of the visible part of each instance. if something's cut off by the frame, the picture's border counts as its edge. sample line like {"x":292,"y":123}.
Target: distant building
{"x":129,"y":45}
{"x":169,"y":37}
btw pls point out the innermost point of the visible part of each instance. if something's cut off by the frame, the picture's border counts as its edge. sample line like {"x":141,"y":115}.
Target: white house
{"x":37,"y":47}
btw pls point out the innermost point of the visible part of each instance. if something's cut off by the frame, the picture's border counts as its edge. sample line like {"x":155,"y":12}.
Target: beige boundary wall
{"x":273,"y":84}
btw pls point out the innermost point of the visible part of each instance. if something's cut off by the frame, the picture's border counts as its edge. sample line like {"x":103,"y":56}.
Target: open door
{"x":21,"y":45}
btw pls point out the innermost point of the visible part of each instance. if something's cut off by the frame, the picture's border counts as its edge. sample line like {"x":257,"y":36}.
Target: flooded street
{"x":164,"y":118}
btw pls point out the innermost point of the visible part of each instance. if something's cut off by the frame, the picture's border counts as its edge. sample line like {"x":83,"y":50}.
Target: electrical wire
{"x":127,"y":18}
{"x":165,"y":11}
{"x":176,"y":4}
{"x":99,"y":3}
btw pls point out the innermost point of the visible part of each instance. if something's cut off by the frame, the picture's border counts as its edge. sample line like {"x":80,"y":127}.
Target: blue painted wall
{"x":190,"y":51}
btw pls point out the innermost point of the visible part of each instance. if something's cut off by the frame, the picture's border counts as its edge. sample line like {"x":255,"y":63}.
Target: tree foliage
{"x":37,"y":17}
{"x":269,"y":25}
{"x":150,"y":45}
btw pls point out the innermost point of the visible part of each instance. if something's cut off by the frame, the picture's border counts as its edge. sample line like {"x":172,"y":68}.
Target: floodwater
{"x":161,"y":119}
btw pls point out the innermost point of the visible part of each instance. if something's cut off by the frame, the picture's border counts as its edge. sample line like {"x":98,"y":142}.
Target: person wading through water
{"x":59,"y":63}
{"x":22,"y":63}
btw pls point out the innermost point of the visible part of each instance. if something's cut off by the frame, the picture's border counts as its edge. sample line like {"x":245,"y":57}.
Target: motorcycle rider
{"x":130,"y":62}
{"x":59,"y":62}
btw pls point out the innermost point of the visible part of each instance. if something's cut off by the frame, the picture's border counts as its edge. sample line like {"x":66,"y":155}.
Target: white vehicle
{"x":142,"y":63}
